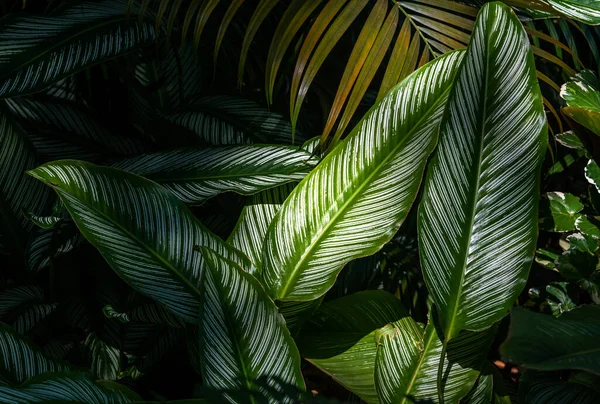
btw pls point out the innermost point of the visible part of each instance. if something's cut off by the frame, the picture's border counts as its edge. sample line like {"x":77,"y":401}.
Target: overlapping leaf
{"x":36,"y":51}
{"x":542,"y":342}
{"x":478,"y":214}
{"x":357,"y":197}
{"x":243,"y":339}
{"x":143,"y":231}
{"x":195,"y":175}
{"x":408,"y":357}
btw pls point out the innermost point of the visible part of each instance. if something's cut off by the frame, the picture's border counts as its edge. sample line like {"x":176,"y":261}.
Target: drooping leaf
{"x":354,"y":201}
{"x":104,"y":358}
{"x":478,"y":213}
{"x":18,"y":193}
{"x":67,"y":387}
{"x":542,"y":342}
{"x":340,"y":338}
{"x":37,"y":51}
{"x":195,"y":175}
{"x":142,"y":230}
{"x":20,"y":359}
{"x":408,"y":357}
{"x":587,"y":11}
{"x":243,"y":339}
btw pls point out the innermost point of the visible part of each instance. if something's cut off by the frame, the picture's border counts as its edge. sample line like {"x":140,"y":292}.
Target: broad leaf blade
{"x":340,"y":338}
{"x":355,"y":200}
{"x":243,"y":339}
{"x":407,"y":363}
{"x":195,"y":175}
{"x":542,"y":342}
{"x":478,"y":214}
{"x":36,"y":51}
{"x":144,"y":232}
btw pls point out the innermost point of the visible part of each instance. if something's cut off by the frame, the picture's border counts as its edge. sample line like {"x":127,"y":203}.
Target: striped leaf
{"x":18,"y":193}
{"x":408,"y":357}
{"x":243,"y":339}
{"x":587,"y":11}
{"x":37,"y":51}
{"x":478,"y":215}
{"x":142,"y":230}
{"x":23,"y":307}
{"x":103,"y":358}
{"x":340,"y":338}
{"x":195,"y":175}
{"x":148,"y":313}
{"x":20,"y":359}
{"x":357,"y":197}
{"x":548,"y":388}
{"x":543,"y":342}
{"x":67,"y":387}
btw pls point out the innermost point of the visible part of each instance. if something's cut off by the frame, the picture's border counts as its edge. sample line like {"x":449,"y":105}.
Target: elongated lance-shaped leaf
{"x":407,"y":362}
{"x":142,"y":230}
{"x":195,"y":175}
{"x":357,"y":197}
{"x":478,"y":214}
{"x":243,"y":339}
{"x":20,"y":359}
{"x":587,"y":11}
{"x":37,"y":51}
{"x":549,"y":388}
{"x":340,"y":338}
{"x":67,"y":387}
{"x":18,"y":193}
{"x":543,"y":342}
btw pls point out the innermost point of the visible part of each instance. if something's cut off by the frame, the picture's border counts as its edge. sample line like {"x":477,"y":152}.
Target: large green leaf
{"x":540,"y":341}
{"x":478,"y":215}
{"x":195,"y":175}
{"x":340,"y":338}
{"x":548,"y":388}
{"x":67,"y":387}
{"x":587,"y":11}
{"x":357,"y":197}
{"x":408,"y":357}
{"x":144,"y":232}
{"x":243,"y":339}
{"x":37,"y":51}
{"x":18,"y":193}
{"x":20,"y":359}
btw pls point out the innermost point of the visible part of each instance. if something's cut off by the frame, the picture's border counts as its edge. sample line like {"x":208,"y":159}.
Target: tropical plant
{"x":415,"y":225}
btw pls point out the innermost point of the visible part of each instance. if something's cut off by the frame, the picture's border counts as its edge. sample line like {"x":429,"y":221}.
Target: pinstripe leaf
{"x":407,"y":362}
{"x":67,"y":387}
{"x":20,"y":359}
{"x":478,"y":214}
{"x":354,"y":201}
{"x":142,"y":230}
{"x":36,"y":52}
{"x":340,"y":338}
{"x":244,"y":343}
{"x":549,"y":388}
{"x":587,"y":11}
{"x":195,"y":175}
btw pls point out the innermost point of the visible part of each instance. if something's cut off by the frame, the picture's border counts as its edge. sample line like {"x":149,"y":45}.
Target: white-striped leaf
{"x":340,"y":338}
{"x":550,"y":388}
{"x":195,"y":175}
{"x":243,"y":339}
{"x":228,"y":120}
{"x":18,"y":193}
{"x":478,"y":214}
{"x":148,"y":313}
{"x":20,"y":360}
{"x":23,"y":307}
{"x":37,"y":51}
{"x":357,"y":197}
{"x":103,"y":358}
{"x":408,"y":357}
{"x":587,"y":11}
{"x":67,"y":387}
{"x":489,"y":388}
{"x":142,"y":230}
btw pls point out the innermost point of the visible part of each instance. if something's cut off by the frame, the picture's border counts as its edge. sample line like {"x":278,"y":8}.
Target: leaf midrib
{"x":194,"y":291}
{"x":308,"y":252}
{"x":418,"y":368}
{"x":448,"y":333}
{"x":241,"y":176}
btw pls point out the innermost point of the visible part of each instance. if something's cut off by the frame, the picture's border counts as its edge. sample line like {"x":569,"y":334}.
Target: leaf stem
{"x":440,"y":387}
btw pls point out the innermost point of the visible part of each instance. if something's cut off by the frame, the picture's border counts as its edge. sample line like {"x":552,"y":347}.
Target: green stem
{"x":440,"y":387}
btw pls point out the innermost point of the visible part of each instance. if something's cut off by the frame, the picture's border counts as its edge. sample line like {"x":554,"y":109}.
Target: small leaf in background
{"x":243,"y":338}
{"x":589,"y":226}
{"x":561,"y":298}
{"x":583,"y":242}
{"x":575,"y":265}
{"x":592,"y":174}
{"x":559,"y":211}
{"x":570,"y":140}
{"x":542,"y":342}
